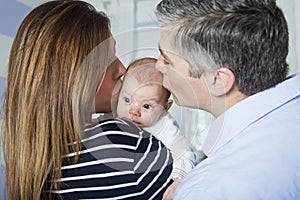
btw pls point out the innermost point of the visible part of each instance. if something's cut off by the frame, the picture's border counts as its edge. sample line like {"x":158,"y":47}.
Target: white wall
{"x":290,"y":9}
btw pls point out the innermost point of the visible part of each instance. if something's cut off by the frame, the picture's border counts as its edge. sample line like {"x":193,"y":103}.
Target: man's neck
{"x":221,"y":104}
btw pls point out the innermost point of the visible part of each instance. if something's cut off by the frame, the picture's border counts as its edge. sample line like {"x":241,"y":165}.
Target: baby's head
{"x":143,"y":99}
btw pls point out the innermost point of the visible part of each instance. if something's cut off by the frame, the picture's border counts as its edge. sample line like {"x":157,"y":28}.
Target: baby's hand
{"x":170,"y":190}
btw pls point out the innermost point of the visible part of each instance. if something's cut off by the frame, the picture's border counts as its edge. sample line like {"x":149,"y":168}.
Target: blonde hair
{"x":54,"y":71}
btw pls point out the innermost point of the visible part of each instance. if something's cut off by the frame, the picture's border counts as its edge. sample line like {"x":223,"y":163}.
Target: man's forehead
{"x":166,"y":37}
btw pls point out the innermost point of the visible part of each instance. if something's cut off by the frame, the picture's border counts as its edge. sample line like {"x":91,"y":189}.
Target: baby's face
{"x":141,"y":104}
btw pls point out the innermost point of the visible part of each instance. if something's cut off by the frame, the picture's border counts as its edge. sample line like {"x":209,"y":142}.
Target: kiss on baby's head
{"x":143,"y":99}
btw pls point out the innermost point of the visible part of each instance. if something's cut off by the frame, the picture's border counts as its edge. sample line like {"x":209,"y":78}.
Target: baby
{"x":144,"y":101}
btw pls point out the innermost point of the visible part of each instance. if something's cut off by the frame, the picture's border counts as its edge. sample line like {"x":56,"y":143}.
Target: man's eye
{"x":127,"y":100}
{"x":166,"y":62}
{"x":147,"y":106}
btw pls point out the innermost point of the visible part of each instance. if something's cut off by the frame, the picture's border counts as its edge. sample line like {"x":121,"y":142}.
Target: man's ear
{"x":168,"y":104}
{"x":223,"y":81}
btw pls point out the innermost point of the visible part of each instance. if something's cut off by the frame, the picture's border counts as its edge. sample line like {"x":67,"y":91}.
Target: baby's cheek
{"x":151,"y":118}
{"x":122,"y":111}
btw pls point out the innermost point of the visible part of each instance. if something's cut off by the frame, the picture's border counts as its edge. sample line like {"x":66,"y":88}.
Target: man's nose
{"x":160,"y":65}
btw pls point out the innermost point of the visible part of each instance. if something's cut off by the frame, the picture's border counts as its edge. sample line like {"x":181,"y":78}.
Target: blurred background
{"x":136,"y":31}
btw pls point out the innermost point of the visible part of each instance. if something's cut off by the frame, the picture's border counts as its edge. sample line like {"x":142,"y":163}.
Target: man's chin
{"x":176,"y":100}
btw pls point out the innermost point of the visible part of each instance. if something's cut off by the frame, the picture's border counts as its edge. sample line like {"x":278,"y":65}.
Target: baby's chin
{"x":138,"y":123}
{"x":142,"y":124}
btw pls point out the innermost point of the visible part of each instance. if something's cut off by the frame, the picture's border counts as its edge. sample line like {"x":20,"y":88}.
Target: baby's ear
{"x":168,"y":104}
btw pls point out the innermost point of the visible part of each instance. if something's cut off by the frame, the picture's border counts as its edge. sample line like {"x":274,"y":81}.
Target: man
{"x":229,"y":58}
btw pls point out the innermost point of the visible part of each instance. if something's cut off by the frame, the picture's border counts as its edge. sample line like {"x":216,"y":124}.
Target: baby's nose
{"x":135,"y":111}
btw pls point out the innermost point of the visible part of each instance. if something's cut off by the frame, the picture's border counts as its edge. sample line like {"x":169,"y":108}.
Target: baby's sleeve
{"x":183,"y":157}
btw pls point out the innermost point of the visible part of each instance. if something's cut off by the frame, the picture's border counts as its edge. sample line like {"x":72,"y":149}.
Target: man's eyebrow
{"x":163,"y":54}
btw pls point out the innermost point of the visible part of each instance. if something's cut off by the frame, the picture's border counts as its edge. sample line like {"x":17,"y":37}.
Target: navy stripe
{"x":140,"y":169}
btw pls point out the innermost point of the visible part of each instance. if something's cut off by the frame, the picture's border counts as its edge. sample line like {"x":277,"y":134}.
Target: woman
{"x":62,"y":68}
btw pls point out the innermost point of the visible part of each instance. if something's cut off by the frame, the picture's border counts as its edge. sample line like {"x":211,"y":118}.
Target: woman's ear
{"x":223,"y":81}
{"x":168,"y":104}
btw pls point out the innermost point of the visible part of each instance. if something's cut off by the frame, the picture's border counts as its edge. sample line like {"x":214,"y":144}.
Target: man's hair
{"x":250,"y":37}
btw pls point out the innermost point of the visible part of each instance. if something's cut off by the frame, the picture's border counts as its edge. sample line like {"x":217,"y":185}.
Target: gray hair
{"x":250,"y":37}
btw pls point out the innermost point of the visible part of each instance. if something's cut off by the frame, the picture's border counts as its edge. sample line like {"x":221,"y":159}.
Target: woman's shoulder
{"x":118,"y":160}
{"x":114,"y":126}
{"x":115,"y":131}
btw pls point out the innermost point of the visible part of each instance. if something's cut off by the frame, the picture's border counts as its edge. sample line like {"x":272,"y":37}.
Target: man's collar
{"x":246,"y":112}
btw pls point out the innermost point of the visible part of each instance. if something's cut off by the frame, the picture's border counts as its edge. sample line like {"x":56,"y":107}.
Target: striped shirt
{"x":118,"y":161}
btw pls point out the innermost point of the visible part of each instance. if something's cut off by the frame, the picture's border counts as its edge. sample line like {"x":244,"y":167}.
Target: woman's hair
{"x":57,"y":60}
{"x":250,"y":37}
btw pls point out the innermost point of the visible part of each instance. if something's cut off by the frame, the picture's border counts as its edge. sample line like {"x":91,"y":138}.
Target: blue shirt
{"x":253,"y":150}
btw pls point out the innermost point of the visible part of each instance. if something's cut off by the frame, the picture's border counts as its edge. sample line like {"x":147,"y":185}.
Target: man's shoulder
{"x":232,"y":176}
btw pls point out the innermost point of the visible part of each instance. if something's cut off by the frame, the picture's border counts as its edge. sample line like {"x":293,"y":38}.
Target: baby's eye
{"x":147,"y":106}
{"x":127,"y":100}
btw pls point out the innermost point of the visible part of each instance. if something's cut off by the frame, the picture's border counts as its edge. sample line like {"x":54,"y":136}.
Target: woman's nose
{"x":121,"y":69}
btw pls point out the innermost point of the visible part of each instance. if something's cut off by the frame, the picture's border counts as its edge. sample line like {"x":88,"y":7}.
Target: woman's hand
{"x":170,"y":190}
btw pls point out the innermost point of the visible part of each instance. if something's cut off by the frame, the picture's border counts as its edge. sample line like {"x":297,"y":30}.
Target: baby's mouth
{"x":131,"y":120}
{"x":136,"y":122}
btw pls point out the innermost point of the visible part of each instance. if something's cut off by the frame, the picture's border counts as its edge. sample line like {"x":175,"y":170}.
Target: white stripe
{"x":160,"y":172}
{"x":124,"y":122}
{"x":104,"y":123}
{"x":110,"y":133}
{"x":108,"y":160}
{"x":153,"y":181}
{"x":96,"y":188}
{"x":101,"y":124}
{"x":145,"y":154}
{"x":140,"y":139}
{"x":106,"y":146}
{"x":121,"y":185}
{"x":96,"y":176}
